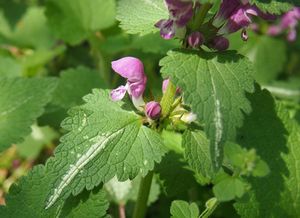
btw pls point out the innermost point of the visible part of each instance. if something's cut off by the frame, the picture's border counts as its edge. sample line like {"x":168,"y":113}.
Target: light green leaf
{"x":32,"y":30}
{"x":214,"y":84}
{"x":35,"y":142}
{"x":229,"y":188}
{"x":182,"y":209}
{"x":245,"y":162}
{"x":274,"y":6}
{"x":197,"y":153}
{"x":276,"y":139}
{"x":74,"y":84}
{"x":139,"y":16}
{"x":75,"y":20}
{"x":9,"y":67}
{"x":106,"y":139}
{"x":21,"y":102}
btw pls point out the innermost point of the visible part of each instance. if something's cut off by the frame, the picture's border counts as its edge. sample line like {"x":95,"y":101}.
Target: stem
{"x":122,"y":213}
{"x":200,"y":16}
{"x":211,"y":205}
{"x":168,"y":99}
{"x":144,"y":190}
{"x":94,"y":42}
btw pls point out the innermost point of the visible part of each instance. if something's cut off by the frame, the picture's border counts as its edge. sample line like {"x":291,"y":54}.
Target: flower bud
{"x":153,"y":110}
{"x":195,"y":39}
{"x":220,"y":43}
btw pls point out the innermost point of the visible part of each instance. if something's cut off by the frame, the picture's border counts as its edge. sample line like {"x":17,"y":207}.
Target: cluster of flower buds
{"x":233,"y":16}
{"x":288,"y":24}
{"x":132,"y":69}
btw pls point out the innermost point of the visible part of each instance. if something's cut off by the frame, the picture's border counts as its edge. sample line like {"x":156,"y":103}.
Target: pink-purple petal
{"x":118,"y":93}
{"x":130,"y":68}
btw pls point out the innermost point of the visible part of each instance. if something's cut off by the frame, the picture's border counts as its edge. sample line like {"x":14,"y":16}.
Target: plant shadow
{"x":264,"y":131}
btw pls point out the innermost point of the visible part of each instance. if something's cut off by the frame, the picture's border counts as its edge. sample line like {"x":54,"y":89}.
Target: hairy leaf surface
{"x":215,"y":86}
{"x":139,"y":16}
{"x":197,"y":153}
{"x":275,"y":6}
{"x":182,"y":209}
{"x":106,"y":139}
{"x":27,"y":199}
{"x":21,"y":102}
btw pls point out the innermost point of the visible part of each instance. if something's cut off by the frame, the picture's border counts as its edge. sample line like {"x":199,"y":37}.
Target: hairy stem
{"x":144,"y":190}
{"x":200,"y":16}
{"x":94,"y":42}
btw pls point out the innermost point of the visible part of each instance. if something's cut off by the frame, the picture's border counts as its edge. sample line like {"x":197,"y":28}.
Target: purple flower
{"x":195,"y":39}
{"x":226,"y":9}
{"x":180,"y":13}
{"x":153,"y":110}
{"x":288,"y":23}
{"x":220,"y":43}
{"x":133,"y":70}
{"x":239,"y":19}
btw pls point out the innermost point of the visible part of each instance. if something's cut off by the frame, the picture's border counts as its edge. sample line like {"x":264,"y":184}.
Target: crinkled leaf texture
{"x":27,"y":199}
{"x":106,"y":139}
{"x":75,"y":20}
{"x":21,"y":102}
{"x":139,"y":16}
{"x":275,"y":6}
{"x":182,"y":209}
{"x":214,"y":84}
{"x":276,"y":138}
{"x":197,"y":153}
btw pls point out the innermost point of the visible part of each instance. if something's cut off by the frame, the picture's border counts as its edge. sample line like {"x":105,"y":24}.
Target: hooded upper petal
{"x":130,"y":68}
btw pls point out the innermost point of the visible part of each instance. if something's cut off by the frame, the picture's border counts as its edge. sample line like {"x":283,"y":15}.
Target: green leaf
{"x":35,"y":142}
{"x":274,"y":6}
{"x":214,"y":84}
{"x":244,"y":161}
{"x":32,"y":30}
{"x":229,"y":188}
{"x":197,"y":153}
{"x":139,"y":16}
{"x":74,"y":84}
{"x":105,"y":139}
{"x":21,"y":102}
{"x":9,"y":67}
{"x":276,"y":139}
{"x":88,"y":204}
{"x":27,"y":199}
{"x":75,"y":20}
{"x":182,"y":209}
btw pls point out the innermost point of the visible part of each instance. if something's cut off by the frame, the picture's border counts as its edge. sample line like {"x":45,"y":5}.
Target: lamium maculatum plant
{"x":139,"y":108}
